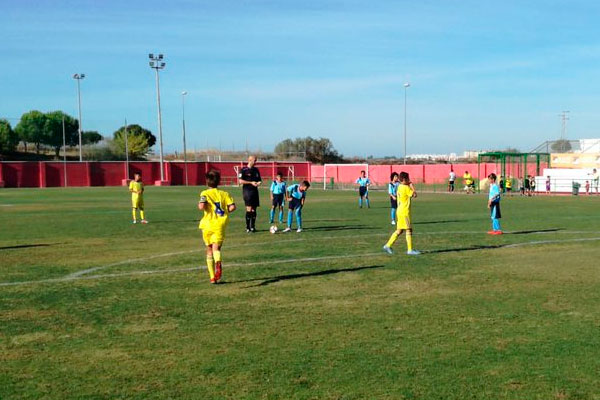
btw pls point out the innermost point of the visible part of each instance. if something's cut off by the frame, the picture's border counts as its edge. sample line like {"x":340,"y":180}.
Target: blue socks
{"x":272,"y":214}
{"x":360,"y":202}
{"x":280,"y":216}
{"x":393,"y":214}
{"x":496,"y":224}
{"x":298,"y":213}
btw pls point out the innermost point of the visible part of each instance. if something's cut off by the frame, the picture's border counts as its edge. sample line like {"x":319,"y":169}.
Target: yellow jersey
{"x":404,"y":195}
{"x":136,"y":187}
{"x":468,"y":179}
{"x":508,"y":183}
{"x":216,"y":212}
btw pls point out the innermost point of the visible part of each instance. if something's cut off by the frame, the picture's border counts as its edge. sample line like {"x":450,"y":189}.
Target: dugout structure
{"x":512,"y":166}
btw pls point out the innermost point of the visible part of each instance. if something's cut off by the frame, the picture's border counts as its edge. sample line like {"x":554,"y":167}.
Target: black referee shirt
{"x":250,"y":175}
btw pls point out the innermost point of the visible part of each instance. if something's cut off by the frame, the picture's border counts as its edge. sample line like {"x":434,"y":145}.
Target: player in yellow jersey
{"x":405,"y":193}
{"x":216,"y":204}
{"x":136,"y":187}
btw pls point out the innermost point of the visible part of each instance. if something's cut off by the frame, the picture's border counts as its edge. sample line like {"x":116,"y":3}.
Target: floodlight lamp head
{"x":162,"y":65}
{"x":151,"y":55}
{"x":184,"y":93}
{"x":407,"y":85}
{"x":160,"y":56}
{"x":151,"y":64}
{"x":75,"y":76}
{"x":82,"y":76}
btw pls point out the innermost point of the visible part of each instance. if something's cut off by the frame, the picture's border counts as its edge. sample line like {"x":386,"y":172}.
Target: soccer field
{"x":92,"y":306}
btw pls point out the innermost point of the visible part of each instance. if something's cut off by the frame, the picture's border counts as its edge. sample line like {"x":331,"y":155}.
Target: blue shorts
{"x":277,"y":200}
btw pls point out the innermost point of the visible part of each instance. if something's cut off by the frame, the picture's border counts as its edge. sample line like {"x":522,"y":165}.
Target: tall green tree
{"x":139,"y":140}
{"x":91,"y":137}
{"x":8,"y":137}
{"x":317,"y":150}
{"x":53,"y":130}
{"x":30,"y":128}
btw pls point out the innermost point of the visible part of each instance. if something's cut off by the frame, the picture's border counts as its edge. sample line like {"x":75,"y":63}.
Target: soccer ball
{"x":273,"y":229}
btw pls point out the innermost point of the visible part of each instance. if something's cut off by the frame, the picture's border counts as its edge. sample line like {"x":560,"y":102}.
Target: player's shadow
{"x":459,"y":249}
{"x":339,"y":228}
{"x":446,"y":221}
{"x":535,"y":231}
{"x":27,"y":246}
{"x":279,"y":278}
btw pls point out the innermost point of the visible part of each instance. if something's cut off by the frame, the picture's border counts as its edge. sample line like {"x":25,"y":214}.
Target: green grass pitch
{"x":93,"y":307}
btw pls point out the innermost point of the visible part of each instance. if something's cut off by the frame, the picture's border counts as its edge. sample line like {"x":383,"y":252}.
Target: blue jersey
{"x":494,"y":193}
{"x":278,"y":187}
{"x":294,"y":191}
{"x":393,"y":188}
{"x":363,"y":182}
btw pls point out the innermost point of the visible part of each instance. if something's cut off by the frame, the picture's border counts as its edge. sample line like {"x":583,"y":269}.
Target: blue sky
{"x":483,"y":74}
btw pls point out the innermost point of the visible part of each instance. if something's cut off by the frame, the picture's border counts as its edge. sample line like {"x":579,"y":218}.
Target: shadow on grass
{"x":447,"y":221}
{"x":459,"y":249}
{"x":339,"y":228}
{"x":27,"y":246}
{"x":534,"y":231}
{"x":279,"y":278}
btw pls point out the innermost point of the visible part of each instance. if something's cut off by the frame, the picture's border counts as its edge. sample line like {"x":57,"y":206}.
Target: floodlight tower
{"x":406,"y":86}
{"x":157,"y":64}
{"x":564,"y":116}
{"x":183,"y":94}
{"x":78,"y":78}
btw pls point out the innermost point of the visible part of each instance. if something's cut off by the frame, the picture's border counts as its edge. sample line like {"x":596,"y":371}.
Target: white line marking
{"x":165,"y":271}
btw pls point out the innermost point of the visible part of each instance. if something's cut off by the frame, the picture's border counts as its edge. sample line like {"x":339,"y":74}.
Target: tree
{"x":8,"y":138}
{"x":91,"y":137}
{"x":139,"y":140}
{"x":53,"y":130}
{"x":319,"y":150}
{"x":31,"y":128}
{"x":561,"y":146}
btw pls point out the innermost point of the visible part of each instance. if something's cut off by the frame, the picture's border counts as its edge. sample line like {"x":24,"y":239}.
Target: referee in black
{"x":249,"y":177}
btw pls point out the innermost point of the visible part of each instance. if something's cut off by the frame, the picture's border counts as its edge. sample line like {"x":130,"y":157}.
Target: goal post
{"x":343,"y":174}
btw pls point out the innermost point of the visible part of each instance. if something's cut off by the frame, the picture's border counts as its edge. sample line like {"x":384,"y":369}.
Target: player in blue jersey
{"x":494,"y":205}
{"x":392,"y":190}
{"x":363,"y":189}
{"x":296,"y":195}
{"x":277,"y":197}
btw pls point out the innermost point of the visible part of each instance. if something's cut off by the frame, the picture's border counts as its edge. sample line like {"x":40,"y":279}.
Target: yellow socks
{"x":408,"y":241}
{"x":217,"y":255}
{"x":210,"y":265}
{"x":142,"y":214}
{"x":133,"y":213}
{"x":392,"y":239}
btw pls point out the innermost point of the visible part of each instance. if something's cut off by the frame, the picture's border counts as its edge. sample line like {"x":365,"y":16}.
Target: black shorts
{"x":393,"y":203}
{"x":362,"y":191}
{"x":509,"y":189}
{"x":295,"y":203}
{"x":277,"y":200}
{"x":250,"y":195}
{"x":495,"y":210}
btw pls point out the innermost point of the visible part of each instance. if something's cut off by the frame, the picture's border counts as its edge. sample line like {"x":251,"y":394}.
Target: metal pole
{"x":184,"y":144}
{"x":406,"y":85}
{"x":79,"y":106}
{"x":64,"y":150}
{"x":126,"y":149}
{"x":162,"y":173}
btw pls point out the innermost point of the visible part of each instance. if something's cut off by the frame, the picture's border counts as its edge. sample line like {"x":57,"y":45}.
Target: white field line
{"x":292,"y":260}
{"x":201,"y":249}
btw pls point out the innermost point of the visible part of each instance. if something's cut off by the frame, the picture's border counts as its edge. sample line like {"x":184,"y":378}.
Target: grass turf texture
{"x":292,"y":319}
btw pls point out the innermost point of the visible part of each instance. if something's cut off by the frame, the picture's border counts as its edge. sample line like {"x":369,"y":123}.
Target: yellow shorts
{"x":403,"y":222}
{"x":212,"y":237}
{"x":137,"y":202}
